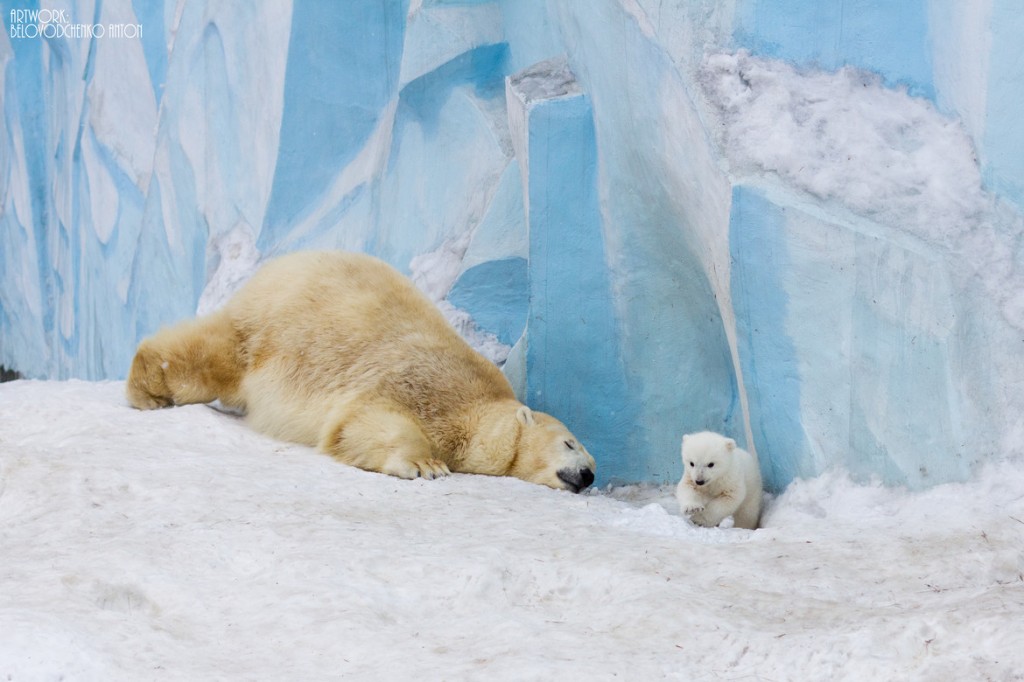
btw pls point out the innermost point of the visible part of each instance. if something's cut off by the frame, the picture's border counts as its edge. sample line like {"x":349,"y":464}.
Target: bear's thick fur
{"x":341,"y":352}
{"x":719,"y":480}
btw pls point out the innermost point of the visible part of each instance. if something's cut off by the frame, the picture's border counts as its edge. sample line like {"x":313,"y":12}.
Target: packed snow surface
{"x":178,"y":544}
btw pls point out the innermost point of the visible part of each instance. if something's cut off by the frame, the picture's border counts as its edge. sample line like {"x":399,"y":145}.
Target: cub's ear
{"x":525,"y":415}
{"x":730,"y":444}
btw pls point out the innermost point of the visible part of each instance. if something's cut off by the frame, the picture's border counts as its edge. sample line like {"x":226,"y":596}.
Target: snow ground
{"x":180,"y":545}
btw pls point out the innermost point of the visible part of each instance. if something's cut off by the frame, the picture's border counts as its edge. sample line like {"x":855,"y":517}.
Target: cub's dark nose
{"x":699,"y":482}
{"x":576,"y":479}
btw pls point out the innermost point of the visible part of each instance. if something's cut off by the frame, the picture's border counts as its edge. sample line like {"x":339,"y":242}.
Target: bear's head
{"x":707,"y":457}
{"x":549,"y":454}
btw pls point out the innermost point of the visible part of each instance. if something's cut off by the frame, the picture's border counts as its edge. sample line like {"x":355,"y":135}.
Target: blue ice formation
{"x":796,"y":223}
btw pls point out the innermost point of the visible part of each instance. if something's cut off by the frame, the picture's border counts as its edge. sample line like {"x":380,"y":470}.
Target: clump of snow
{"x":544,"y":80}
{"x":845,"y":138}
{"x":483,"y":342}
{"x":237,"y":260}
{"x":180,"y":544}
{"x":434,"y":273}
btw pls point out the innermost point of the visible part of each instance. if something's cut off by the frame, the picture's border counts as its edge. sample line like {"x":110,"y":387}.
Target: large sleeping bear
{"x":341,"y":352}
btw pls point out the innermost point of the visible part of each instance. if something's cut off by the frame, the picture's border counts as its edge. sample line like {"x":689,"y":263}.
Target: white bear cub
{"x":719,"y":480}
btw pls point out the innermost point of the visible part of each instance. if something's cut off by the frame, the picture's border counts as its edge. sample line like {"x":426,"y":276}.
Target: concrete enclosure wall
{"x":796,"y":223}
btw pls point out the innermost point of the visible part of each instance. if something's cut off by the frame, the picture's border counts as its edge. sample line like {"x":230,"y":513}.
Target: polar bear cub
{"x":719,"y":480}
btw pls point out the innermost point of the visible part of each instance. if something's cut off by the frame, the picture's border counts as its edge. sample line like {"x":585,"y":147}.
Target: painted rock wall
{"x":796,"y":223}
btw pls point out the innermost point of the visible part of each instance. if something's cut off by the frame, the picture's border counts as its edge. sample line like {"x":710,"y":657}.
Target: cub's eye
{"x":691,"y":464}
{"x":571,"y":444}
{"x":711,"y":465}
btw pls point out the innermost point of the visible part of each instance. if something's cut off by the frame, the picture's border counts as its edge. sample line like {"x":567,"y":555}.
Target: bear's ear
{"x":730,"y":444}
{"x":525,"y":415}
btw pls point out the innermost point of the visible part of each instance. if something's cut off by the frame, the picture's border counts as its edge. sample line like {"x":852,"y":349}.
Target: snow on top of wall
{"x":846,"y":139}
{"x":548,"y":79}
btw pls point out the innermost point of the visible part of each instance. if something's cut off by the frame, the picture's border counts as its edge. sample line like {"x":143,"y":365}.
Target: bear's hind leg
{"x":195,"y":361}
{"x":749,"y":513}
{"x":377,"y":435}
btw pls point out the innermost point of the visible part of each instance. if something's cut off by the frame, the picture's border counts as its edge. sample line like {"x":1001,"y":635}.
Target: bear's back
{"x":315,"y":323}
{"x":299,"y":286}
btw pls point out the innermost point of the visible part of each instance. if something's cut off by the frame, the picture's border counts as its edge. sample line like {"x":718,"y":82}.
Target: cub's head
{"x":707,"y":456}
{"x":550,"y":455}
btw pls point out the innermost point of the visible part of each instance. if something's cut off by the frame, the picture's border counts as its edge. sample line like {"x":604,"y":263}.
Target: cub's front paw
{"x":691,"y":509}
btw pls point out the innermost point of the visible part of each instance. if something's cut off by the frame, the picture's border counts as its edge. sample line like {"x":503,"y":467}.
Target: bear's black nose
{"x":576,"y":480}
{"x":699,"y":482}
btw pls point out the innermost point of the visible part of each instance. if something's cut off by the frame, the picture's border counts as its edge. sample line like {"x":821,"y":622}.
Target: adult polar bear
{"x":340,"y":351}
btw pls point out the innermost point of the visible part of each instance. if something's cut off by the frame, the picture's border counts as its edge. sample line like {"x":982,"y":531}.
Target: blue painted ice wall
{"x":571,"y":313}
{"x":796,"y":223}
{"x":889,"y":38}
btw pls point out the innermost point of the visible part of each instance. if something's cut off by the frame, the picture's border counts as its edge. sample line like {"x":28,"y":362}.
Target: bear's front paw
{"x":692,"y":509}
{"x":428,"y":468}
{"x":432,"y":468}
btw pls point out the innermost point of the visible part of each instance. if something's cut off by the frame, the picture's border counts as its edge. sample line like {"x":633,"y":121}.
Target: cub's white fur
{"x":719,"y":480}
